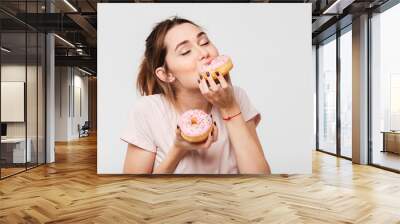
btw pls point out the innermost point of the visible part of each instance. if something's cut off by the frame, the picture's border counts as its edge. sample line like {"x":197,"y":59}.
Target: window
{"x":22,"y":77}
{"x":327,"y":96}
{"x":385,"y":88}
{"x":346,"y":93}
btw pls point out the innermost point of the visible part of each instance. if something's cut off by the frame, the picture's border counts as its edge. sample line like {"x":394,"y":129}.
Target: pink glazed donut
{"x":221,"y":64}
{"x":195,"y":125}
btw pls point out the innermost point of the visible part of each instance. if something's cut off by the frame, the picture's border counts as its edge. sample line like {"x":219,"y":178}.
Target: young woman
{"x":170,"y":82}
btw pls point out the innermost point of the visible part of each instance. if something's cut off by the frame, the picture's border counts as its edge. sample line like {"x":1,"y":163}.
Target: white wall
{"x":34,"y":125}
{"x":80,"y":82}
{"x":12,"y":101}
{"x":16,"y":72}
{"x":68,"y":79}
{"x":270,"y":45}
{"x":61,"y":103}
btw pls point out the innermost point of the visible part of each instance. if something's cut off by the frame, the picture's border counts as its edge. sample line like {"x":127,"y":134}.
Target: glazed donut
{"x":221,"y":64}
{"x":195,"y":125}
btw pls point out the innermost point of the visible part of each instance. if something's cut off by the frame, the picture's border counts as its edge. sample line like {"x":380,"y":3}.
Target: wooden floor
{"x":70,"y":191}
{"x":10,"y":171}
{"x":388,"y":159}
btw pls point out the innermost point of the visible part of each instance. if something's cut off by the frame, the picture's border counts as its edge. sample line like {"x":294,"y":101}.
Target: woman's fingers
{"x":178,"y":132}
{"x":203,"y":85}
{"x":213,"y":85}
{"x":222,"y":80}
{"x":207,"y":144}
{"x":215,"y":132}
{"x":203,"y":147}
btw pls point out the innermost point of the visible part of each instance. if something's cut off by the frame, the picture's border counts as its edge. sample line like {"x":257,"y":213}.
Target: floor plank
{"x":70,"y":191}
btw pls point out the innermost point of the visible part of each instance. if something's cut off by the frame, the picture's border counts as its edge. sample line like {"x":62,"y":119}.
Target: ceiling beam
{"x":85,"y":61}
{"x":86,"y":26}
{"x":337,"y":6}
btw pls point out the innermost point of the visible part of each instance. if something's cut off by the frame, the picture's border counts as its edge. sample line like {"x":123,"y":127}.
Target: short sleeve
{"x":246,"y":107}
{"x":137,"y":128}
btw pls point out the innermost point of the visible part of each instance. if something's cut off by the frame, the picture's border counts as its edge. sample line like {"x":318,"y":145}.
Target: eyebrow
{"x":186,"y":41}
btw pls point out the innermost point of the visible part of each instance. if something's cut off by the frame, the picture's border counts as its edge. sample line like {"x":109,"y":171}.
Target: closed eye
{"x":187,"y":52}
{"x":204,"y":44}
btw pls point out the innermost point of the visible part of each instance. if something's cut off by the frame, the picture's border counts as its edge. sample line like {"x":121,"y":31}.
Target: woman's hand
{"x":221,"y":94}
{"x":185,"y":146}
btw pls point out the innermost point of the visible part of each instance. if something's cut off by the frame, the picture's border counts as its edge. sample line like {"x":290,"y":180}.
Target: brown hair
{"x":154,"y":56}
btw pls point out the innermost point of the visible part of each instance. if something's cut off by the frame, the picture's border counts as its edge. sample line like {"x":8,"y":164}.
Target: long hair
{"x":154,"y":56}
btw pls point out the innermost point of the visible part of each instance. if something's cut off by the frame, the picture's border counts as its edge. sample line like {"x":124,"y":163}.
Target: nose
{"x":203,"y":53}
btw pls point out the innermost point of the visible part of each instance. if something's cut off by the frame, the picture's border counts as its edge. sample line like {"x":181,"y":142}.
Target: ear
{"x":163,"y":75}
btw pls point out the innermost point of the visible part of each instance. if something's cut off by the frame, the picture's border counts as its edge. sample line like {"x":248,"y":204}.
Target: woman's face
{"x":188,"y":48}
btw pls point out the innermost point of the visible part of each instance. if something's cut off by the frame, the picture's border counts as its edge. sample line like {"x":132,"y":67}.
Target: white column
{"x":360,"y":90}
{"x":50,"y":110}
{"x":50,"y":91}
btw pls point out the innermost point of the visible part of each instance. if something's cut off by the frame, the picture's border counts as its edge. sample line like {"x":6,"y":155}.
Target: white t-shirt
{"x":152,"y":123}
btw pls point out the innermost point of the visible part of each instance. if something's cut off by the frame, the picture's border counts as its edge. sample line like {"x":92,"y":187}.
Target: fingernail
{"x":212,"y":132}
{"x":201,"y":77}
{"x":215,"y":123}
{"x":217,"y":73}
{"x":208,"y":74}
{"x":211,"y":115}
{"x":198,"y":80}
{"x":177,"y":127}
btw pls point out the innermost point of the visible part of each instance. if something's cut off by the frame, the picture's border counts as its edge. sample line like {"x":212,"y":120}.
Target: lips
{"x":204,"y":67}
{"x":208,"y":62}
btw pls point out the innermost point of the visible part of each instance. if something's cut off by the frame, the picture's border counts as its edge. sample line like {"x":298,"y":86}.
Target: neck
{"x":191,"y":99}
